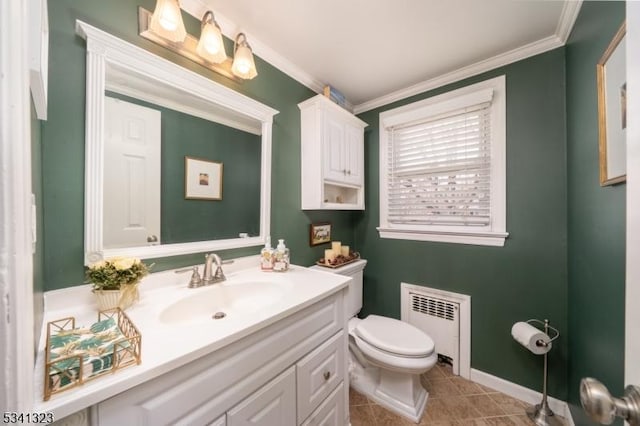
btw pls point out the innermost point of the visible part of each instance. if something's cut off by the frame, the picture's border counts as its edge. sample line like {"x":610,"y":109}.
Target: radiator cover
{"x":438,"y":315}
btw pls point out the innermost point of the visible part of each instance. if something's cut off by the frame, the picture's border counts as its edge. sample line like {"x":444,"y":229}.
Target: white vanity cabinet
{"x":332,"y":156}
{"x":291,"y":372}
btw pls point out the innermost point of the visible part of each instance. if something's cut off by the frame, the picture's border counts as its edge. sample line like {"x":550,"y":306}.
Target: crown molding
{"x":514,"y":55}
{"x":568,"y":18}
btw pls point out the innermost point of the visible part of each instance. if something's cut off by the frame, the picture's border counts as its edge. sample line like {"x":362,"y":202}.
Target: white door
{"x":131,"y":175}
{"x":632,"y":334}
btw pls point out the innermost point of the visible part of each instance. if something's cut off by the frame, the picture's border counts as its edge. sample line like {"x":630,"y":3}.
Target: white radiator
{"x":437,"y":314}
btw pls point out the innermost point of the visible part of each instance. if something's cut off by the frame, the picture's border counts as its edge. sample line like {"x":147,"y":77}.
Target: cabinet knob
{"x":327,"y":375}
{"x":349,"y":172}
{"x":344,"y":172}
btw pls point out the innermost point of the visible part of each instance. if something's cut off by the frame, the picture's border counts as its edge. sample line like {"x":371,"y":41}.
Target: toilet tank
{"x":354,"y":292}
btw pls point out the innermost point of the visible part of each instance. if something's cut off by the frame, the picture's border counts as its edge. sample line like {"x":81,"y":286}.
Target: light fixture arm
{"x":209,"y":18}
{"x":240,"y":42}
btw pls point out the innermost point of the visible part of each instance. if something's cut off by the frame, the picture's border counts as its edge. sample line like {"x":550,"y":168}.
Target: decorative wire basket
{"x":77,"y":355}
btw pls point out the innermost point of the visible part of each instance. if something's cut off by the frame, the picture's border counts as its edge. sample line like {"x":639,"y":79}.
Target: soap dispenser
{"x":267,"y":256}
{"x":281,"y":257}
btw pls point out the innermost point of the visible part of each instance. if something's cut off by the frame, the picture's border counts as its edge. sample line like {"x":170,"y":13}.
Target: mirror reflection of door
{"x":131,"y":174}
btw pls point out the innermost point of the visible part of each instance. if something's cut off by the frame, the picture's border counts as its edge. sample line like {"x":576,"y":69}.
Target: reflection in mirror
{"x":144,"y":185}
{"x":144,"y":116}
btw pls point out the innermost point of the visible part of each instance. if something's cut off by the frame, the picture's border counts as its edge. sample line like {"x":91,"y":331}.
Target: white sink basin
{"x":230,"y":298}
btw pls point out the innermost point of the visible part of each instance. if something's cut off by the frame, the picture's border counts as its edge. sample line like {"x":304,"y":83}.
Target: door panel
{"x":334,"y":166}
{"x":131,"y":174}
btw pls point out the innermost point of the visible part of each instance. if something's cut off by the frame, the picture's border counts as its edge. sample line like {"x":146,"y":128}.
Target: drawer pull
{"x":327,"y":375}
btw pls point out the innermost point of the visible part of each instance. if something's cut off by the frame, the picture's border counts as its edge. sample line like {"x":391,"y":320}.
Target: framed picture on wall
{"x":612,"y":111}
{"x":202,"y":179}
{"x":320,"y":233}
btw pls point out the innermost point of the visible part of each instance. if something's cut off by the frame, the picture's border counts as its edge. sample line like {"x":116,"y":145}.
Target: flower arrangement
{"x":113,"y":273}
{"x":115,"y":281}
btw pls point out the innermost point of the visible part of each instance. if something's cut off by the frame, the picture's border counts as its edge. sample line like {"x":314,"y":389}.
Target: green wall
{"x":238,"y":211}
{"x":63,"y":142}
{"x":596,"y":217}
{"x":527,"y":278}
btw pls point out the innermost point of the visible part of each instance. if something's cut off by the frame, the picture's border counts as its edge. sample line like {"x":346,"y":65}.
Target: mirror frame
{"x":104,"y":49}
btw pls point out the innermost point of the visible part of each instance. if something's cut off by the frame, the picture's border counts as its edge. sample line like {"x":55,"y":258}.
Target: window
{"x":442,"y":167}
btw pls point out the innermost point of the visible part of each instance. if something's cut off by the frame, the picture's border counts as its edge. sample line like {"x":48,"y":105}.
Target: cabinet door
{"x":334,"y":149}
{"x":272,"y":405}
{"x":354,"y":155}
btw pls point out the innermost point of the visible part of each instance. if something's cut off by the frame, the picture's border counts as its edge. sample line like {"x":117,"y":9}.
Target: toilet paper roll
{"x":528,"y":336}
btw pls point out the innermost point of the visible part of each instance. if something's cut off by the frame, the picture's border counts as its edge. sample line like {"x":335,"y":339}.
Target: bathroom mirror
{"x":120,"y":74}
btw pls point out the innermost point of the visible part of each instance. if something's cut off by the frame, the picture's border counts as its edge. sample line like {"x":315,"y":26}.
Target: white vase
{"x":107,"y":299}
{"x":111,"y":299}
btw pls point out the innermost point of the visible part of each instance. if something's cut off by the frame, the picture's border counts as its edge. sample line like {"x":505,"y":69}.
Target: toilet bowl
{"x":386,"y":356}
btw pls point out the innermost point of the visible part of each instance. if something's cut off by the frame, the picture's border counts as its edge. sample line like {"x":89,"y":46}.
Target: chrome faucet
{"x":208,"y":276}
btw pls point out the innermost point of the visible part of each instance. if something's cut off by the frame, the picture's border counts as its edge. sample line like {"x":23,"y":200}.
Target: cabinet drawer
{"x":319,"y":373}
{"x":331,"y":412}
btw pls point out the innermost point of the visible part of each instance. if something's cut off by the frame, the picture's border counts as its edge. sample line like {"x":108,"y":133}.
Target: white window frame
{"x":495,"y":233}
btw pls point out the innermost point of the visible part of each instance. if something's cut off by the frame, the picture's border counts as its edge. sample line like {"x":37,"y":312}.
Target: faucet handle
{"x":195,"y":280}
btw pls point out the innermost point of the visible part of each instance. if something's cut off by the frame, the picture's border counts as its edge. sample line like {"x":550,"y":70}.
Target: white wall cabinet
{"x":291,"y":372}
{"x":332,"y":156}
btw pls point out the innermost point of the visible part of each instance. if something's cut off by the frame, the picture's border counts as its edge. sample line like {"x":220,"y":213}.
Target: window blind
{"x":439,"y":169}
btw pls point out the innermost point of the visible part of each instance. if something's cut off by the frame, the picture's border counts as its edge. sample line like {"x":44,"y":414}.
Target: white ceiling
{"x":378,"y":51}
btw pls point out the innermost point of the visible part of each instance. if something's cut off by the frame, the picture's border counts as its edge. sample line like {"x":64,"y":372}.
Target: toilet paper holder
{"x":545,"y":327}
{"x":541,"y":414}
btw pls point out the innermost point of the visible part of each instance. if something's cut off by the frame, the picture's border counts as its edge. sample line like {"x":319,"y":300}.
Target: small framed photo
{"x":320,"y":233}
{"x":202,"y":179}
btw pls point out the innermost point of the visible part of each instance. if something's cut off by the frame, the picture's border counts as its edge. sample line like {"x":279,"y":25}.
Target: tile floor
{"x":453,"y":401}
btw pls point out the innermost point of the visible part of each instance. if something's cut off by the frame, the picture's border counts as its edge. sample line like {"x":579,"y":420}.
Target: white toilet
{"x":387,"y":356}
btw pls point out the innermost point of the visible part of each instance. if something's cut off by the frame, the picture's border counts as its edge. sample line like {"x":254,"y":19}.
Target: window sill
{"x":495,"y":239}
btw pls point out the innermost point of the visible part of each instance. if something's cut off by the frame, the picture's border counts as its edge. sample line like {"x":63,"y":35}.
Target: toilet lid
{"x":394,"y":336}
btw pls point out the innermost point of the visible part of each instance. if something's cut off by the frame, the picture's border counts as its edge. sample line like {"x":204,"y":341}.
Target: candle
{"x":345,"y":251}
{"x":335,"y":246}
{"x":329,"y":255}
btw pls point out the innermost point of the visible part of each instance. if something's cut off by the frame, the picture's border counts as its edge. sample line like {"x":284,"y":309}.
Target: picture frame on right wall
{"x":612,"y":111}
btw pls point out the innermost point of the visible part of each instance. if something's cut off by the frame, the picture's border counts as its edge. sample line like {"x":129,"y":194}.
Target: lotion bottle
{"x":281,"y":257}
{"x":267,"y":256}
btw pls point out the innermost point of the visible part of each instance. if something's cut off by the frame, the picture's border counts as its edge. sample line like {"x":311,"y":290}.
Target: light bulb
{"x":211,"y":43}
{"x":166,"y":21}
{"x":210,"y":46}
{"x":243,"y":64}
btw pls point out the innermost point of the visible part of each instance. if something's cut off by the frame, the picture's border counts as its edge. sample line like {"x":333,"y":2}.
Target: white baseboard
{"x":527,"y":395}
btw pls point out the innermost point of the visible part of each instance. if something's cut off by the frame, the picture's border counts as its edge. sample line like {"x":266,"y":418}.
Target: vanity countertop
{"x":167,"y":345}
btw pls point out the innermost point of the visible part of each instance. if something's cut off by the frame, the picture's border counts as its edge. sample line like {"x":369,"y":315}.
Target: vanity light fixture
{"x":210,"y":45}
{"x":166,"y":21}
{"x":207,"y":51}
{"x":243,"y":64}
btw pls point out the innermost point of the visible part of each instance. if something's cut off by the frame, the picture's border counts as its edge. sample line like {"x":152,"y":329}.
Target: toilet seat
{"x":394,"y":337}
{"x":394,"y":362}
